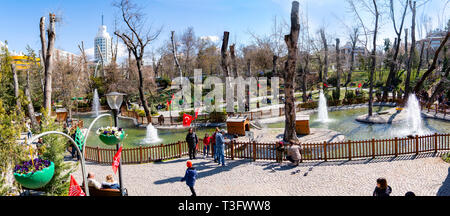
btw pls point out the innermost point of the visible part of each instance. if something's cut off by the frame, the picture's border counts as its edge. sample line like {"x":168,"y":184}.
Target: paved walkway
{"x":424,"y":175}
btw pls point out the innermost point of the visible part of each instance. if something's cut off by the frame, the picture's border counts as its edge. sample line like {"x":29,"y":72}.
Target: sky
{"x":19,"y":20}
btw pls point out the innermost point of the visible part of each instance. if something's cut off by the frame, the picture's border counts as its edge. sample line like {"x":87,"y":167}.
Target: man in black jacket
{"x":192,"y":141}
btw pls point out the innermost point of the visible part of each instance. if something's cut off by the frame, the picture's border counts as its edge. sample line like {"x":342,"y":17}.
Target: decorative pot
{"x":37,"y":179}
{"x":111,"y":139}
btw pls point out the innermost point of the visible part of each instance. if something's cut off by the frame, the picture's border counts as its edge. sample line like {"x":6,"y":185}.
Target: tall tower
{"x":102,"y":45}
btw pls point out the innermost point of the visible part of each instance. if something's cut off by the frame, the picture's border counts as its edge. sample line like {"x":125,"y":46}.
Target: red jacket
{"x":206,"y":140}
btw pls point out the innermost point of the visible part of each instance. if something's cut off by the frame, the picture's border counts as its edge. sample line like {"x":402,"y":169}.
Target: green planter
{"x":111,"y":140}
{"x":37,"y":179}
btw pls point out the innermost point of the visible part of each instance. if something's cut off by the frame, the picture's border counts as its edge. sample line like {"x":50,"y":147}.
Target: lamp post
{"x":115,"y":100}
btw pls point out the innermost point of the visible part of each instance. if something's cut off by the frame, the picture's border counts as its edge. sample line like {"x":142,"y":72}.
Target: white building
{"x":103,"y":42}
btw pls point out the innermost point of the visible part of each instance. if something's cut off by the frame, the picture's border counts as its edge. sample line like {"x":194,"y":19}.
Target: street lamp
{"x":115,"y":100}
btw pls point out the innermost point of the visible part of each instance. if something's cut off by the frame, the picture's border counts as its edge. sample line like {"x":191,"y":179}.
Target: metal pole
{"x":83,"y":168}
{"x":116,"y":120}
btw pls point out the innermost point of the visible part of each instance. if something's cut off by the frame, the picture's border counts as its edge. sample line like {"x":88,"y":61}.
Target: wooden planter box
{"x":302,"y":125}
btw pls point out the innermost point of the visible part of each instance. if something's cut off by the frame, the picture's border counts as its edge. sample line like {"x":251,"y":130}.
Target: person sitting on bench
{"x":92,"y":182}
{"x":110,"y":183}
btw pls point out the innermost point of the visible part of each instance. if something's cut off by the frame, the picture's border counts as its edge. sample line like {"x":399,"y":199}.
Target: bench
{"x":104,"y":192}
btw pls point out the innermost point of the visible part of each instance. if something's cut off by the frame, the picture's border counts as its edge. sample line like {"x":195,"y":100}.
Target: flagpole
{"x":116,"y":119}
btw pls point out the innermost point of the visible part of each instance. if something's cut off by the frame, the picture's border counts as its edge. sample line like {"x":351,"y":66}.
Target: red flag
{"x":359,"y":86}
{"x":75,"y":189}
{"x":187,"y":119}
{"x":196,"y":113}
{"x":116,"y":160}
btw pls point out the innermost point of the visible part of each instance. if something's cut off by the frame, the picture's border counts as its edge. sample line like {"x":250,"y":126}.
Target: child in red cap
{"x":190,"y":177}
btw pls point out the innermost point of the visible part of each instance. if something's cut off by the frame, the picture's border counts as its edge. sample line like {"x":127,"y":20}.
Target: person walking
{"x":29,"y":133}
{"x":192,"y":141}
{"x":220,"y":143}
{"x":382,"y":189}
{"x":190,"y":176}
{"x":206,"y":144}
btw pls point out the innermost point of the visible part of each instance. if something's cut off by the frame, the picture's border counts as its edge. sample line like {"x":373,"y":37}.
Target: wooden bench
{"x":104,"y":192}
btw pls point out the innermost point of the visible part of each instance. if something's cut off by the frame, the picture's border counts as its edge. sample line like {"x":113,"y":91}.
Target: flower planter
{"x":111,"y":139}
{"x":37,"y":179}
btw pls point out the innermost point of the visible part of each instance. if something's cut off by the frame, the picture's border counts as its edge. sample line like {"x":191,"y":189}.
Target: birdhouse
{"x":238,"y":125}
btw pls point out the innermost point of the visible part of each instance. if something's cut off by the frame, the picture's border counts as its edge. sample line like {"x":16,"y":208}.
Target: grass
{"x":446,"y":157}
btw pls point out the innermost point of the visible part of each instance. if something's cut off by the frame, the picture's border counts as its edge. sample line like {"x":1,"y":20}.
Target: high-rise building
{"x":102,"y":46}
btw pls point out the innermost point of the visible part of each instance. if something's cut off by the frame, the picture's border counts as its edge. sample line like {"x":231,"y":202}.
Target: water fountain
{"x":323,"y":109}
{"x":95,"y":103}
{"x":152,"y":135}
{"x":414,"y":124}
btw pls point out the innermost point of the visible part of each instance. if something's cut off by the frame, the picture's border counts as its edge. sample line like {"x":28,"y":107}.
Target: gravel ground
{"x":424,"y":175}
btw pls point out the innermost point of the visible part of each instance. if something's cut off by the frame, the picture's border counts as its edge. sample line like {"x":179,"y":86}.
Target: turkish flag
{"x":196,"y":114}
{"x":116,"y":160}
{"x":75,"y":189}
{"x":187,"y":119}
{"x":359,"y":86}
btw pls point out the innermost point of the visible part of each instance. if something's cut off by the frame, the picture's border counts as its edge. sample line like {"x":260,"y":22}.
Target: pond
{"x":136,"y":135}
{"x":342,"y":121}
{"x":345,"y":123}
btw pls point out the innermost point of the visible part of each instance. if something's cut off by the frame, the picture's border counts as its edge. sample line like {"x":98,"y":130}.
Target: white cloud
{"x":212,"y":38}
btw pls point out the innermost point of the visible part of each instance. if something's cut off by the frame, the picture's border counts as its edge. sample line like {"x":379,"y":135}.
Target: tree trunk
{"x":289,"y":77}
{"x":432,"y":66}
{"x":374,"y":59}
{"x":325,"y":45}
{"x":233,"y":61}
{"x":274,"y":65}
{"x":141,"y":90}
{"x":320,"y":69}
{"x":31,"y":114}
{"x":338,"y":71}
{"x":352,"y":64}
{"x":305,"y":72}
{"x":412,"y":52}
{"x":49,"y":64}
{"x":420,"y":60}
{"x":394,"y":63}
{"x":174,"y":52}
{"x":16,"y":86}
{"x":224,"y":55}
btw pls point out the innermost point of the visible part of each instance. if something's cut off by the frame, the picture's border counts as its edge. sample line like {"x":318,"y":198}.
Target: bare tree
{"x":224,"y":54}
{"x":136,"y":39}
{"x":394,"y":63}
{"x":374,"y":56}
{"x":47,"y":56}
{"x":289,"y":74}
{"x":432,"y":66}
{"x":174,"y":53}
{"x":354,"y":40}
{"x":325,"y":46}
{"x":338,"y":71}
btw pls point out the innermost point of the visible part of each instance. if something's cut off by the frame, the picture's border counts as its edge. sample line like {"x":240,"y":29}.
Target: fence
{"x":346,"y":150}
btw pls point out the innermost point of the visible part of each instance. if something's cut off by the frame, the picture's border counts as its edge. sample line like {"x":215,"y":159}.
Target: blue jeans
{"x":216,"y":152}
{"x":206,"y":150}
{"x":221,"y":155}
